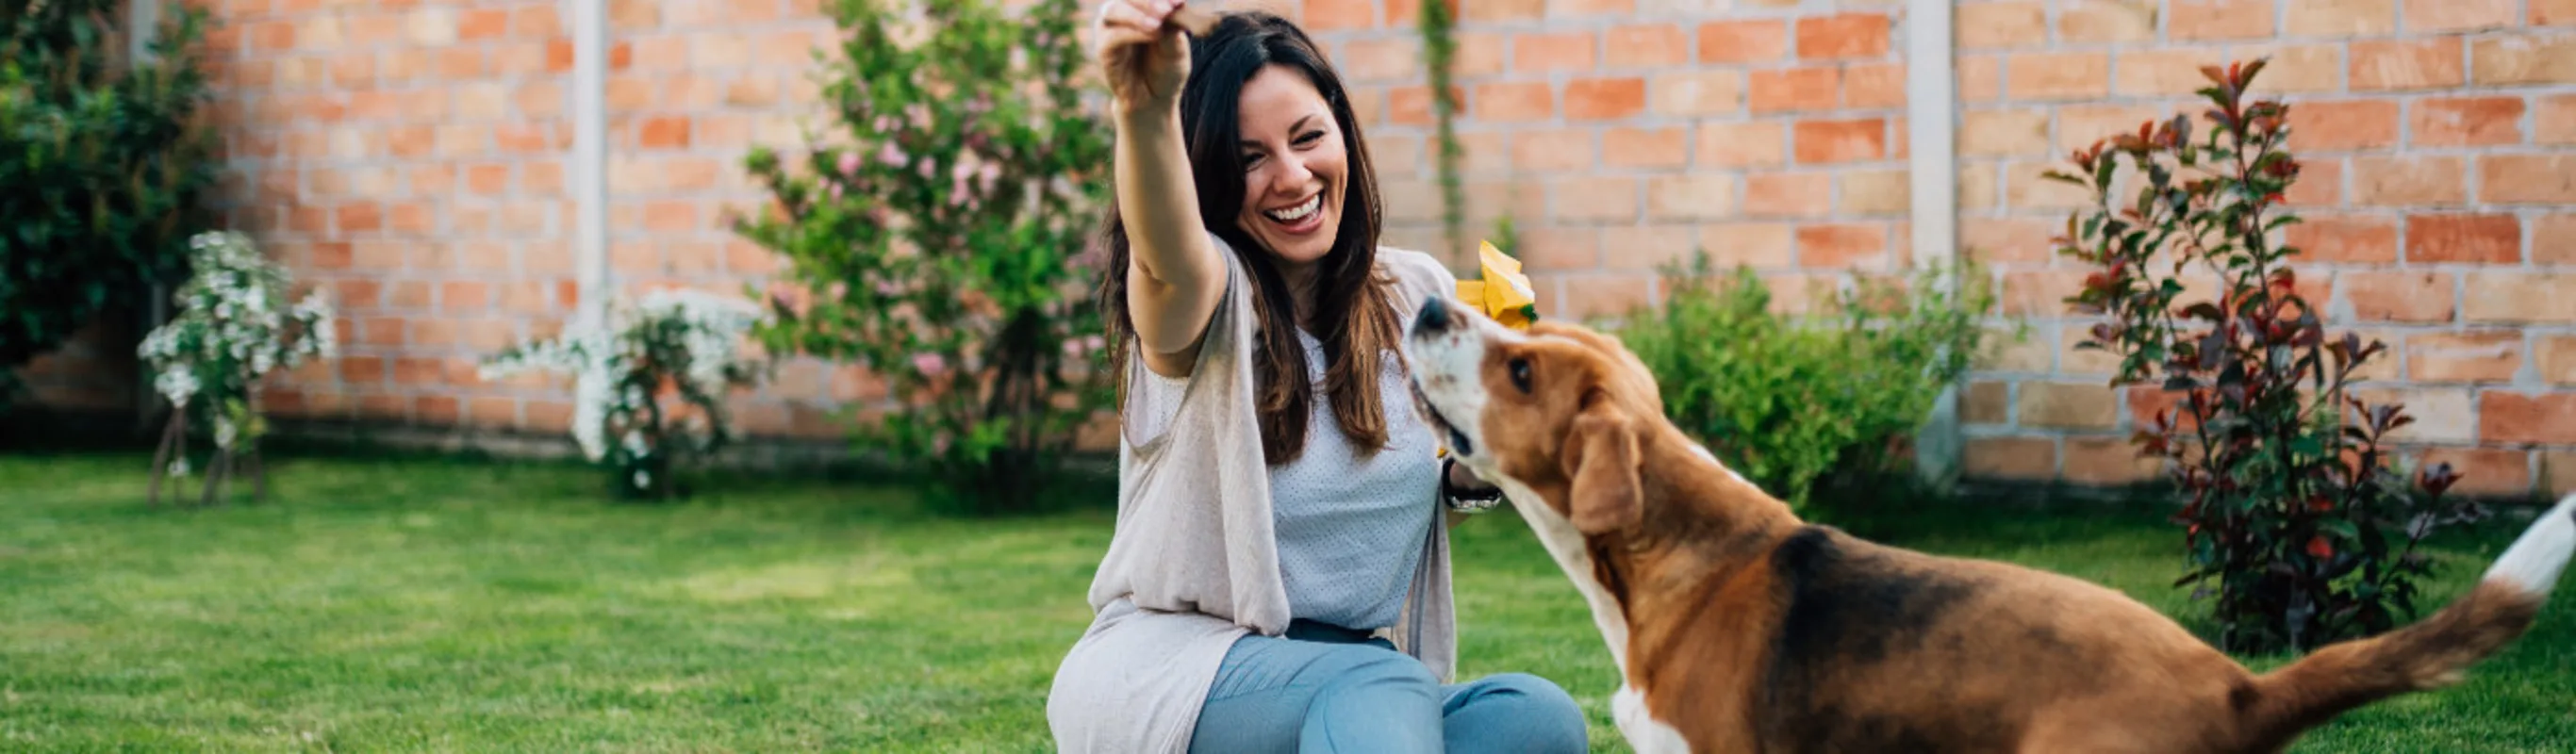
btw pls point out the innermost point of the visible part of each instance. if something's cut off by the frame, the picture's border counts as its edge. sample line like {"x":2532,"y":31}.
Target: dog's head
{"x":1559,"y":410}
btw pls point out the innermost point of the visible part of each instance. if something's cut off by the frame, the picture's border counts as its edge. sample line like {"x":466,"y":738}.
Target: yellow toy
{"x":1503,"y":293}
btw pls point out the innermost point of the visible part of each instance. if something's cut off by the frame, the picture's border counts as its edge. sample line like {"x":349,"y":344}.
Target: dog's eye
{"x":1521,"y":374}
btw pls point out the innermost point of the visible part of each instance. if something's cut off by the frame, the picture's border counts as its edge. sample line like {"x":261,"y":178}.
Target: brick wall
{"x":2437,"y":141}
{"x":414,"y":156}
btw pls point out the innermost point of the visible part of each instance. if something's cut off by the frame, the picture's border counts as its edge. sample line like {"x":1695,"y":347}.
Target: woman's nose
{"x":1291,"y":176}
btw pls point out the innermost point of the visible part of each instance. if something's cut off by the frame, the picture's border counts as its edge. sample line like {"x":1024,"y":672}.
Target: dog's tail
{"x":2430,"y":654}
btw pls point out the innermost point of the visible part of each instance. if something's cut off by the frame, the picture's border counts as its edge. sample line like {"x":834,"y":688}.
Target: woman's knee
{"x":1385,"y":673}
{"x":1520,"y":706}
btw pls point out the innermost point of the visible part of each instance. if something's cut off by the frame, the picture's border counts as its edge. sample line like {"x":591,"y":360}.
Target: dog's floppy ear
{"x":1601,"y":459}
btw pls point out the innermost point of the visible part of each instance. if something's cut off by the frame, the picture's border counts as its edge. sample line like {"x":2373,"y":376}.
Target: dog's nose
{"x":1433,"y":318}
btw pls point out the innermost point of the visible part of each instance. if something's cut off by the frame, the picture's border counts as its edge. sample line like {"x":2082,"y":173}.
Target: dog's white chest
{"x":1645,"y":734}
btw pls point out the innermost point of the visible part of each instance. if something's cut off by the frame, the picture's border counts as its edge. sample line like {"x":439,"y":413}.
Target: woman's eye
{"x":1251,"y":161}
{"x":1310,"y":137}
{"x":1521,"y":375}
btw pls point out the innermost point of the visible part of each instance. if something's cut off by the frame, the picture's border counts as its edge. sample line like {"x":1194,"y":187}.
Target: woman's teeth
{"x":1296,"y":213}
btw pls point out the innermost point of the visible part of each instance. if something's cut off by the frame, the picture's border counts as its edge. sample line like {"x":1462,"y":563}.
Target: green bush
{"x":105,"y":165}
{"x":1798,"y":405}
{"x":939,"y":242}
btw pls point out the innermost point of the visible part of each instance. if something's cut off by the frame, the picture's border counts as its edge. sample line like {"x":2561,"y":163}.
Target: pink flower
{"x":890,"y":155}
{"x":834,"y":191}
{"x":930,"y":364}
{"x":988,"y":175}
{"x":849,"y":163}
{"x":888,"y":289}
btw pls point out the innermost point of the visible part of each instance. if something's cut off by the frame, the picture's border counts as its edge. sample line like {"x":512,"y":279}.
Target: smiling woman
{"x":1279,"y":578}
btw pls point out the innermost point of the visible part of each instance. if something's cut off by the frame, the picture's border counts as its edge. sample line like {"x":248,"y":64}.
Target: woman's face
{"x":1294,"y":165}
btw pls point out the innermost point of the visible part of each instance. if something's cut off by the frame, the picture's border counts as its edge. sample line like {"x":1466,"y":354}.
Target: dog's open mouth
{"x":1458,"y":443}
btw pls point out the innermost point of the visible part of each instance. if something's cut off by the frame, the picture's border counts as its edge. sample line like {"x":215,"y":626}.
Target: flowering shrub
{"x":2309,"y":538}
{"x":672,"y":342}
{"x":937,"y":243}
{"x":233,"y":327}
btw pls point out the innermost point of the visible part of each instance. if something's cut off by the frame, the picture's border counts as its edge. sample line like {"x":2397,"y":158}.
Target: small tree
{"x":937,"y":243}
{"x":2293,"y":514}
{"x":673,"y":344}
{"x":106,"y":166}
{"x":234,"y":327}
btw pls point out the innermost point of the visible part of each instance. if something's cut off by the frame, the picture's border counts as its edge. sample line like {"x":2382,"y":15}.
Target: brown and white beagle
{"x":1737,"y":627}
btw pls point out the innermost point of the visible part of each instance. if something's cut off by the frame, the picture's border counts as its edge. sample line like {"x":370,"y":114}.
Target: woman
{"x":1279,"y":576}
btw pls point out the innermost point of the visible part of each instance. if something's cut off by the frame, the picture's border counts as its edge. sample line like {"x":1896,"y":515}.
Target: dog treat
{"x":1501,"y":292}
{"x":1125,"y":67}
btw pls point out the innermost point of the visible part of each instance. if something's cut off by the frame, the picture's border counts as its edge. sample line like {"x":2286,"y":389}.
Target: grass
{"x":381,"y":604}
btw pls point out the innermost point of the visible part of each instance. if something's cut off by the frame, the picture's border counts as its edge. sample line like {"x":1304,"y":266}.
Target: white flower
{"x":179,"y":467}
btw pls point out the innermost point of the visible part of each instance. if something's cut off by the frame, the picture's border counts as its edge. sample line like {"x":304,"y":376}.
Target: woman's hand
{"x":1142,"y":54}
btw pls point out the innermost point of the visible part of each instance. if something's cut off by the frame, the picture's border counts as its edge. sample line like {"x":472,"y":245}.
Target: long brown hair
{"x":1353,"y":313}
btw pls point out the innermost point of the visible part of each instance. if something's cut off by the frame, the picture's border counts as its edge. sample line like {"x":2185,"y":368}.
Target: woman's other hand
{"x":1143,"y":56}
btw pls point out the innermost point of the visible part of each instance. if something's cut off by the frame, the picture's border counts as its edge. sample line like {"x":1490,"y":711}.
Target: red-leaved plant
{"x":2293,"y":509}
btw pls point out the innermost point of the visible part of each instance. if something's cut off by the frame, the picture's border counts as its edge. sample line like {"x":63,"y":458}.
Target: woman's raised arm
{"x":1174,"y":277}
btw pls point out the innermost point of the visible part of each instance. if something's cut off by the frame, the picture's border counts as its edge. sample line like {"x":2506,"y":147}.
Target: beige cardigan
{"x":1193,"y":564}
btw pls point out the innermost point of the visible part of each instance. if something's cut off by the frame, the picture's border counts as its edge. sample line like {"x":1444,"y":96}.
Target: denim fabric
{"x":1324,"y":689}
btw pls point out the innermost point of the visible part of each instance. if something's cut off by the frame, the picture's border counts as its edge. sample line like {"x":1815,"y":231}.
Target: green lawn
{"x":453,"y":606}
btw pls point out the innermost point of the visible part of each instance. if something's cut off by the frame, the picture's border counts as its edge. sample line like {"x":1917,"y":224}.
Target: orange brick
{"x":2555,"y":251}
{"x":2017,"y":458}
{"x":1561,"y":51}
{"x":1479,"y":54}
{"x":1981,"y":78}
{"x":2483,"y":471}
{"x":1788,"y":194}
{"x":2557,"y":357}
{"x":2513,"y":297}
{"x":2527,"y":178}
{"x":1646,"y":45}
{"x":2001,"y":26}
{"x":2002,"y":132}
{"x":1876,"y":192}
{"x":1513,"y":102}
{"x":1595,"y":199}
{"x":2079,"y":126}
{"x":1986,"y":403}
{"x":1378,"y":61}
{"x":1647,"y":248}
{"x":2025,"y":189}
{"x":1794,"y":89}
{"x":1500,"y":10}
{"x":2062,"y":405}
{"x":2342,"y":18}
{"x":2487,"y":239}
{"x":1551,"y":150}
{"x":1551,"y":248}
{"x":2219,"y":19}
{"x":2039,"y":293}
{"x":1842,"y":245}
{"x":667,"y":132}
{"x":1743,"y":41}
{"x":2409,"y":181}
{"x":1580,"y":8}
{"x":2508,"y":417}
{"x":2554,"y":121}
{"x":2058,"y":76}
{"x":2320,"y":184}
{"x":1604,"y":295}
{"x":1701,"y":92}
{"x":2417,"y":64}
{"x":2105,"y":21}
{"x":1604,"y":99}
{"x":1998,"y":240}
{"x":1759,"y":245}
{"x":1667,"y":147}
{"x":2407,"y":296}
{"x":2169,"y":73}
{"x":2476,"y":121}
{"x":1874,"y":87}
{"x":1817,"y":141}
{"x":2343,"y":126}
{"x":2109,"y":461}
{"x":2553,"y":12}
{"x":2476,"y":356}
{"x":1690,"y":197}
{"x":1741,"y":144}
{"x":1411,"y":105}
{"x":1341,"y":14}
{"x":1843,"y":36}
{"x":2458,"y":15}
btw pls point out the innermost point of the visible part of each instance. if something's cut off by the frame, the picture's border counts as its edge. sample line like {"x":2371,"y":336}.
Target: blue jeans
{"x":1325,"y":689}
